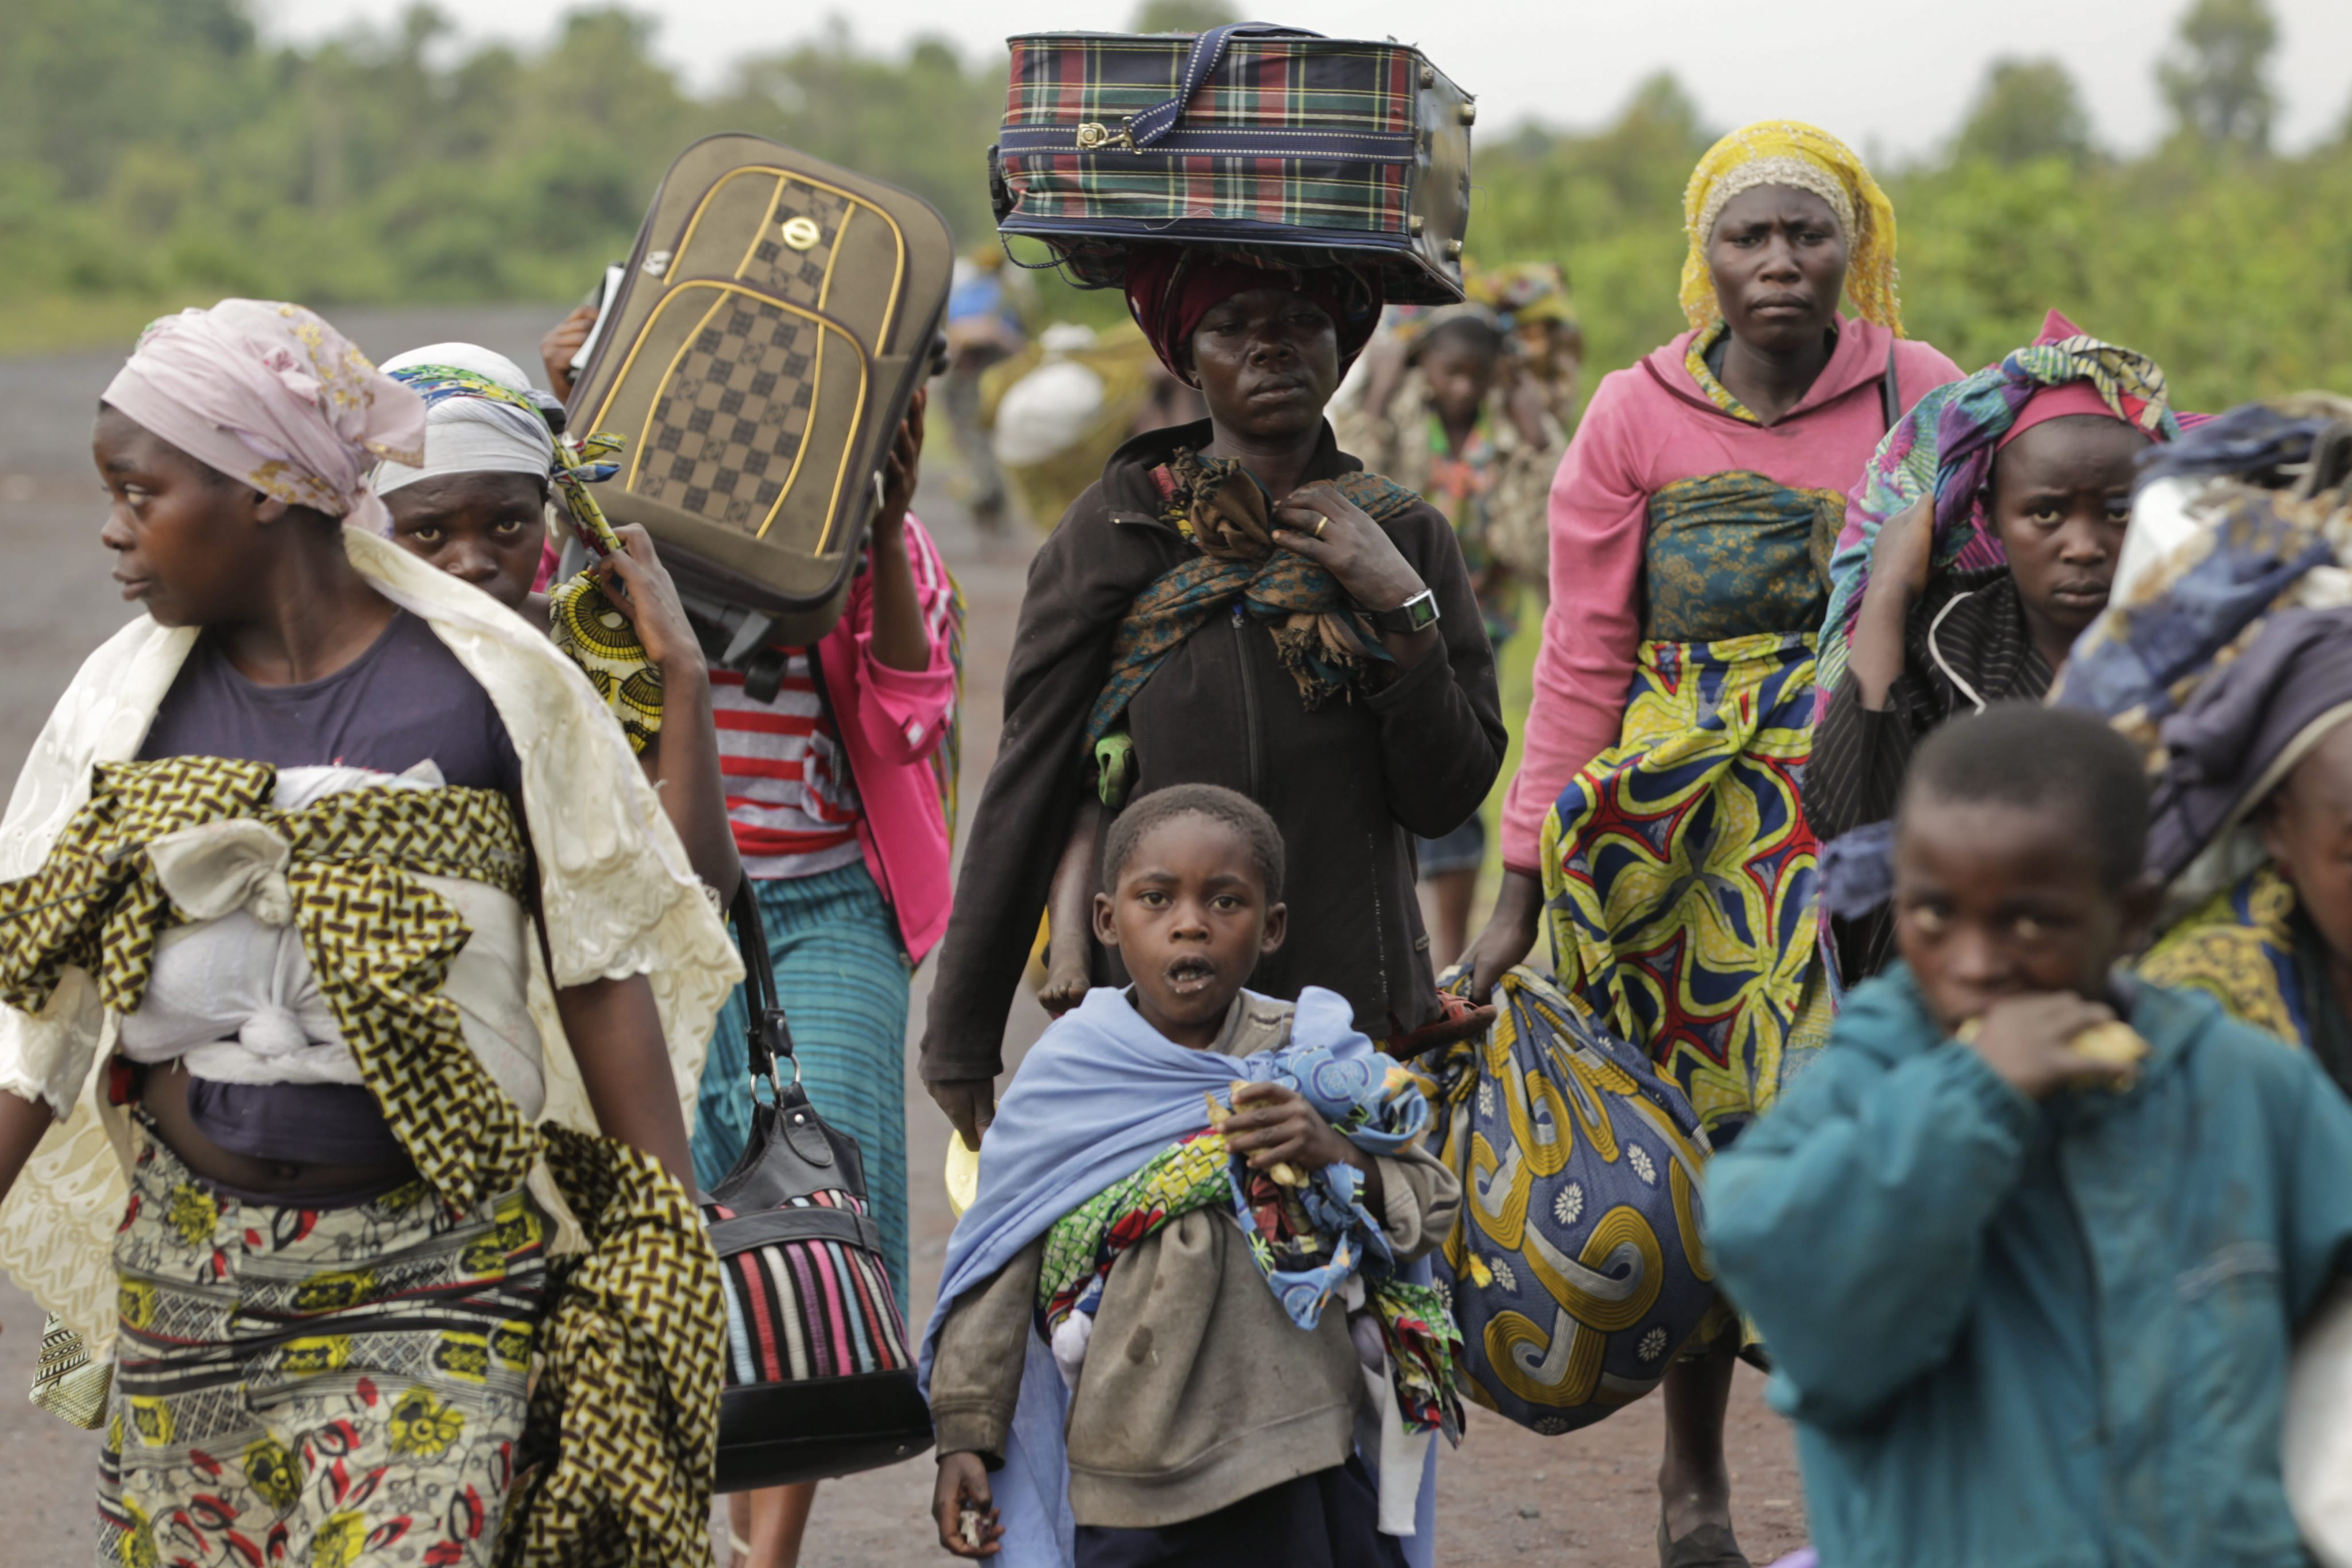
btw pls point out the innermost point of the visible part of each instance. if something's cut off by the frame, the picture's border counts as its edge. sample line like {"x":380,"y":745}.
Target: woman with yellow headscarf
{"x":1655,"y":824}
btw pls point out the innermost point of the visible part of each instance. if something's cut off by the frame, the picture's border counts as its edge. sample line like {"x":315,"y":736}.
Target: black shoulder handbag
{"x":820,"y":1375}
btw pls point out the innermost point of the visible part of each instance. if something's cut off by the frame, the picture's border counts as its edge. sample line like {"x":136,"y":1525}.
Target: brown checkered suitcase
{"x":771,"y":325}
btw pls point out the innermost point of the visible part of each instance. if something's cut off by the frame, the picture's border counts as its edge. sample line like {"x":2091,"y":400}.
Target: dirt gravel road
{"x":1585,"y":1501}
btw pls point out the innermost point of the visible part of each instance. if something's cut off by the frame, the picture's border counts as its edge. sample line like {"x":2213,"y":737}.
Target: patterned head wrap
{"x":1948,"y":442}
{"x":1786,"y":152}
{"x":2225,"y":652}
{"x":274,"y":398}
{"x":1526,"y":292}
{"x":1170,"y":288}
{"x":480,"y":416}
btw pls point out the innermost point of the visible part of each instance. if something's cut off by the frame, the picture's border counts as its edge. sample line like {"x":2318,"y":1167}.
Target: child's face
{"x":2061,"y":502}
{"x":482,"y":529}
{"x":1190,"y":919}
{"x":189,"y":544}
{"x":1460,"y":380}
{"x":1995,"y":900}
{"x":2308,"y":827}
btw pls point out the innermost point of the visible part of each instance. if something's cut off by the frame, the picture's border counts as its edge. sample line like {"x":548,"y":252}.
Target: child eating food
{"x":2030,"y":1297}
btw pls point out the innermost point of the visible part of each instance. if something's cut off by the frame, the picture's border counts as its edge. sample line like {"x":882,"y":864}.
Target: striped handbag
{"x":820,"y":1376}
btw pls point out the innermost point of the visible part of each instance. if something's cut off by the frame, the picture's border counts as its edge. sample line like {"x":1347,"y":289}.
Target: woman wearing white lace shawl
{"x":235,"y":443}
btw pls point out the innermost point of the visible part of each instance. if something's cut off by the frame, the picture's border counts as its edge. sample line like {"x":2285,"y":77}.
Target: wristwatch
{"x":1415,"y":614}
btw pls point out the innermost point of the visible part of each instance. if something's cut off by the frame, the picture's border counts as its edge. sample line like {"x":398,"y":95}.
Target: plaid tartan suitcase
{"x":773,"y":323}
{"x":1253,"y":135}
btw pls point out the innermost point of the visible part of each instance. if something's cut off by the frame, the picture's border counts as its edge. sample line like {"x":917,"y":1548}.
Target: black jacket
{"x":1349,"y":785}
{"x":1964,"y":645}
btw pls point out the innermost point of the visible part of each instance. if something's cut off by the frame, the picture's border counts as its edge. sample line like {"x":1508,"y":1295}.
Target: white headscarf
{"x":471,"y":434}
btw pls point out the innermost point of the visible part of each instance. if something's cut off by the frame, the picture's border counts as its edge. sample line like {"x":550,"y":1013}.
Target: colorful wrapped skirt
{"x":1679,"y":874}
{"x":318,"y":1386}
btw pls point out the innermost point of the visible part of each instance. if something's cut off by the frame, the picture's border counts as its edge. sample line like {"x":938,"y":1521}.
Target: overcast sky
{"x":1891,"y":76}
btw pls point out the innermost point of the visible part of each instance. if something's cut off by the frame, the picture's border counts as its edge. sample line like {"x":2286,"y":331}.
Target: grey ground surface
{"x":1585,"y":1501}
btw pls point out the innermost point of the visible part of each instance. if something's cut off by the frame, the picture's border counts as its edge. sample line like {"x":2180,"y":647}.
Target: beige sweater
{"x":1198,"y":1390}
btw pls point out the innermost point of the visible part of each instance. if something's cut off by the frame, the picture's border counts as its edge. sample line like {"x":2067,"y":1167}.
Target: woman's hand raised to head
{"x":1905,"y":549}
{"x":1318,"y":522}
{"x":1899,"y":568}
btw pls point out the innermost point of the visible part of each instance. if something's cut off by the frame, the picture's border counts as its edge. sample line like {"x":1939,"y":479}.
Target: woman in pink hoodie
{"x":1655,"y":816}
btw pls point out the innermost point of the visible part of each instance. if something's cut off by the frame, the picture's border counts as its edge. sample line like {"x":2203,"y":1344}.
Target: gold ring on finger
{"x":1320,"y":524}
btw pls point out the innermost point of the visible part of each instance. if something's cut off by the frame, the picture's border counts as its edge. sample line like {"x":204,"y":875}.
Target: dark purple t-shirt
{"x":406,"y":700}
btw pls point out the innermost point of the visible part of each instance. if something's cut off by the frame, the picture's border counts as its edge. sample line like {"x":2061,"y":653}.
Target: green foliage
{"x":161,"y":152}
{"x":2214,"y":79}
{"x":1182,"y":15}
{"x":2026,"y":110}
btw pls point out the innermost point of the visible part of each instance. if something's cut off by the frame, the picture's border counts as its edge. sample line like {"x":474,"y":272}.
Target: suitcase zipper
{"x":1098,"y":141}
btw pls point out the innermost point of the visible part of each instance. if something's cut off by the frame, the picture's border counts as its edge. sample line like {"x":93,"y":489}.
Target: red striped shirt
{"x":789,"y":794}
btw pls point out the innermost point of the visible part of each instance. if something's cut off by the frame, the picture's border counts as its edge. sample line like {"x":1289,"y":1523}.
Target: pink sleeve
{"x":1592,"y":632}
{"x":907,"y":711}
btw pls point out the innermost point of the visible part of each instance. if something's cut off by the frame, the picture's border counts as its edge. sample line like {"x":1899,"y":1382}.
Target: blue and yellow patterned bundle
{"x":1576,"y":1271}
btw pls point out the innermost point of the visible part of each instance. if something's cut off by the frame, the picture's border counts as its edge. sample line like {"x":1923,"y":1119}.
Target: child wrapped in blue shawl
{"x":1214,"y":1389}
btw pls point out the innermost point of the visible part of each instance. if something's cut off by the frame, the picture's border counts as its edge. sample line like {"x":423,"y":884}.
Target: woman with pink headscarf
{"x":1979,"y":544}
{"x":286,"y":1152}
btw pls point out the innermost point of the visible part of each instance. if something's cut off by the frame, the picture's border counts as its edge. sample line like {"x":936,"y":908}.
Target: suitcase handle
{"x":1208,"y":51}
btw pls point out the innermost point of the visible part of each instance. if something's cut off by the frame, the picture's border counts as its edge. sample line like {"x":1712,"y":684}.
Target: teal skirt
{"x":842,"y":977}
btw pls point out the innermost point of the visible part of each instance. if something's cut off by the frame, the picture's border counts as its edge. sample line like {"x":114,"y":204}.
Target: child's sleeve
{"x":1849,"y":1222}
{"x":976,"y":1374}
{"x":1420,"y":1199}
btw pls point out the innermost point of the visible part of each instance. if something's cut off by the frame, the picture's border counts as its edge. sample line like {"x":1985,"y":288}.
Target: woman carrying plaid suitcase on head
{"x":1235,"y":603}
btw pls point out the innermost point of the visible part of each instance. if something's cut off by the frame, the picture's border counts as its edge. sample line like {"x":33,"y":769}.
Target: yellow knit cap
{"x":1787,"y":152}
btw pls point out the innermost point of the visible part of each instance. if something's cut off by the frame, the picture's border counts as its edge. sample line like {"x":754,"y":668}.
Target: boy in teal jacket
{"x":2030,"y":1306}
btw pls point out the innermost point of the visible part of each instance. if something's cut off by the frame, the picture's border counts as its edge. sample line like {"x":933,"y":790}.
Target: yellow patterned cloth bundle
{"x":584,"y":619}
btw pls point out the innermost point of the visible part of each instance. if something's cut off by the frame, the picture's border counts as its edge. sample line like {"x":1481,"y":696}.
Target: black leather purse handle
{"x":769,"y":1036}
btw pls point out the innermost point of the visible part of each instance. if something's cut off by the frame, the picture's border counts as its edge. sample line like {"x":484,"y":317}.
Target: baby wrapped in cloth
{"x":232,"y":996}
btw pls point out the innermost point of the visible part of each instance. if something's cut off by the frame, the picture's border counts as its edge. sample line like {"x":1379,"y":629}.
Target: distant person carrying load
{"x":1449,"y":415}
{"x":985,"y":326}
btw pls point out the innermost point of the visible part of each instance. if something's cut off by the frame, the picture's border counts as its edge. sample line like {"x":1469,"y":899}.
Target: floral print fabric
{"x":315,"y":1387}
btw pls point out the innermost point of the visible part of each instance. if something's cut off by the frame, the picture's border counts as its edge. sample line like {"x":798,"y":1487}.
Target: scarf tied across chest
{"x":1227,"y":514}
{"x":623,"y":1424}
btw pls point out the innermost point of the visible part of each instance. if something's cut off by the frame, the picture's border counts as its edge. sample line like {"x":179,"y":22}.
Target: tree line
{"x":156,"y":152}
